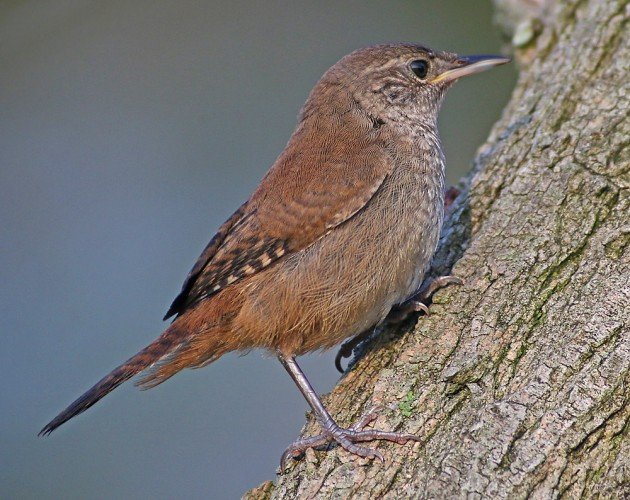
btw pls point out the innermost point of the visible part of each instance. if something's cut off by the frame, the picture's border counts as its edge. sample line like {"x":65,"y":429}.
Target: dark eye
{"x":420,"y":68}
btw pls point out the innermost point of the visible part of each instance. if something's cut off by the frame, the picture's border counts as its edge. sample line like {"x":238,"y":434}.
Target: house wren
{"x":340,"y":230}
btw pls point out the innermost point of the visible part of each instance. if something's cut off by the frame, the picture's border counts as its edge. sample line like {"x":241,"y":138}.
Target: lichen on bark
{"x":519,"y":381}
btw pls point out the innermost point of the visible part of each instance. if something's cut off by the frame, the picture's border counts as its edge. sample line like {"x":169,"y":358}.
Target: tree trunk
{"x":519,"y":381}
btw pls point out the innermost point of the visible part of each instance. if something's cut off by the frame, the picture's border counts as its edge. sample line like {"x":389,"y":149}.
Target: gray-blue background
{"x":129,"y":131}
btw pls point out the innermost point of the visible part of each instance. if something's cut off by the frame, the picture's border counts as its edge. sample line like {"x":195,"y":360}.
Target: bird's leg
{"x":331,"y":431}
{"x":399,"y":313}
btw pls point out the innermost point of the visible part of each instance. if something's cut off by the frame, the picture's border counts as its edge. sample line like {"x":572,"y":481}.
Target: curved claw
{"x":345,"y":351}
{"x":400,"y":313}
{"x":417,"y":306}
{"x":296,"y":450}
{"x":438,"y":283}
{"x":419,"y":301}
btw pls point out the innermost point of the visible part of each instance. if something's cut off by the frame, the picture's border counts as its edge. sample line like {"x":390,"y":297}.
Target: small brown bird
{"x":340,"y":231}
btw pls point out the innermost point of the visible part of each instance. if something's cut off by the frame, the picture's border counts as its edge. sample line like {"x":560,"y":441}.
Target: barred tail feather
{"x":169,"y":341}
{"x":196,"y":352}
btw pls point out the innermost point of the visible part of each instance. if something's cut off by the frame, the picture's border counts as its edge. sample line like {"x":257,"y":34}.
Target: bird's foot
{"x":401,"y":312}
{"x":419,"y":301}
{"x":437,"y":284}
{"x":398,"y":314}
{"x":347,"y":439}
{"x":345,"y":351}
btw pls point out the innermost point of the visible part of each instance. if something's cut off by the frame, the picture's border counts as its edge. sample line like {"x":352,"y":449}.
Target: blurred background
{"x":129,"y":131}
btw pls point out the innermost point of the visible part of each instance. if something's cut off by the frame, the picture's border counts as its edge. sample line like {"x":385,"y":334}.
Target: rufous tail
{"x":164,"y":345}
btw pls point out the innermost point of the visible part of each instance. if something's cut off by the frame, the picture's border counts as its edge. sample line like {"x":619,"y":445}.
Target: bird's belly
{"x":405,"y":221}
{"x":348,"y":280}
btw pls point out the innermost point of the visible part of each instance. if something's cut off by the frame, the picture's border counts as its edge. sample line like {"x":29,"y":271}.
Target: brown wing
{"x":181,"y":301}
{"x":313,"y":187}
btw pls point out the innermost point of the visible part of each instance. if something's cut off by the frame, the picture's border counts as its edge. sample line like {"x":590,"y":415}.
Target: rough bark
{"x":519,"y":381}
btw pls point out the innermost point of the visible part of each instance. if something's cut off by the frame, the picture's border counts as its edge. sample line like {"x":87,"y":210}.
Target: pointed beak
{"x":469,"y":65}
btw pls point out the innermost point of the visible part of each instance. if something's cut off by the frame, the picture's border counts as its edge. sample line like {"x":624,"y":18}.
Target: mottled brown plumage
{"x":341,"y":229}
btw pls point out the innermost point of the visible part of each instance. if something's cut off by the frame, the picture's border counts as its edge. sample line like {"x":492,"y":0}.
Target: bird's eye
{"x":420,"y":68}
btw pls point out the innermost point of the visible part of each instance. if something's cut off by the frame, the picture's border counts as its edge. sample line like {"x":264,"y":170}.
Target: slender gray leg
{"x":332,"y":432}
{"x":321,"y":414}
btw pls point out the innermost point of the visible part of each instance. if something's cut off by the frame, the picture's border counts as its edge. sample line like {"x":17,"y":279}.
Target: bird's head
{"x":401,"y":81}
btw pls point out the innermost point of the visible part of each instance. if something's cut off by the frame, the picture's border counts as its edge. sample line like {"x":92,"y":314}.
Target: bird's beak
{"x":469,"y":65}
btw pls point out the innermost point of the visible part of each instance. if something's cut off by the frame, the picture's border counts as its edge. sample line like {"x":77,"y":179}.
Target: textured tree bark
{"x":519,"y":381}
